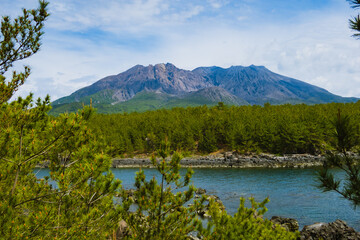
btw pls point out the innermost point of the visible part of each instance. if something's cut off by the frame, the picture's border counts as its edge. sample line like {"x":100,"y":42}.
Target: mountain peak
{"x":257,"y":67}
{"x":160,"y":66}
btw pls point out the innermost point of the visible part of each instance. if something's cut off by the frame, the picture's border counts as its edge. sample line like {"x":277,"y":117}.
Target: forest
{"x":277,"y":129}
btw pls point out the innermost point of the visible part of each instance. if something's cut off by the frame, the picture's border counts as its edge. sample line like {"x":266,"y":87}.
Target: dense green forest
{"x":278,"y":129}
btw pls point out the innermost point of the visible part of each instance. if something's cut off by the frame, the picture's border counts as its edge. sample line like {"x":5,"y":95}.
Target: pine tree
{"x":346,"y":138}
{"x":76,"y":199}
{"x":163,"y":210}
{"x":246,"y":224}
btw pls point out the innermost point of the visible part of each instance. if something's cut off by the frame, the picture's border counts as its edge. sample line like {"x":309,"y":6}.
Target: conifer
{"x":76,"y":199}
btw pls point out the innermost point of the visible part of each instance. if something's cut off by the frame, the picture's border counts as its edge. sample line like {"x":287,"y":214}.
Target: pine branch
{"x":354,"y":3}
{"x":354,"y":24}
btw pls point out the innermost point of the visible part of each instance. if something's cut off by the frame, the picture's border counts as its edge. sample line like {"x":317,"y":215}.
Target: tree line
{"x":277,"y":129}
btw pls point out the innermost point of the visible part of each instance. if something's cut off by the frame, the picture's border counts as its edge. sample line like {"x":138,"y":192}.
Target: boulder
{"x":337,"y":230}
{"x":289,"y":224}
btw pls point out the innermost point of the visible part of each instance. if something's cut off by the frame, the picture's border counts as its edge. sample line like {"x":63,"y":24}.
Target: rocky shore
{"x":232,"y":160}
{"x":337,"y":230}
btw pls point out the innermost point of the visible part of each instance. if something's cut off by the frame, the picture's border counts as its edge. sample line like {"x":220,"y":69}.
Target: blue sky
{"x":86,"y":40}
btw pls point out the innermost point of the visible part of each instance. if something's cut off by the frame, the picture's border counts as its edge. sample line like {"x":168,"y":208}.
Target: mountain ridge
{"x":237,"y":85}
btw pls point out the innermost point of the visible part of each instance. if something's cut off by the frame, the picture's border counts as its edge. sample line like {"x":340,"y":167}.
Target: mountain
{"x":258,"y":85}
{"x":161,"y":78}
{"x":164,"y":86}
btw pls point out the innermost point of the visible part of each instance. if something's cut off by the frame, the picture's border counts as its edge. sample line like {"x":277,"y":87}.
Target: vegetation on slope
{"x":146,"y":101}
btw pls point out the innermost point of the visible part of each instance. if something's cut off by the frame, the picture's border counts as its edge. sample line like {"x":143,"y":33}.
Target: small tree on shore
{"x":247,"y":223}
{"x":346,"y":138}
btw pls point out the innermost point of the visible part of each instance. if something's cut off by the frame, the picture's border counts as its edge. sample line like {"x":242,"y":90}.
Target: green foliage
{"x":19,"y":39}
{"x":346,"y":138}
{"x":207,"y":142}
{"x":277,"y":129}
{"x":76,"y":199}
{"x":345,"y":133}
{"x":161,"y":208}
{"x":247,"y":223}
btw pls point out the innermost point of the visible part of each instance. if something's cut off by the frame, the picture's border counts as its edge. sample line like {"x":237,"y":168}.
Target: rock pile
{"x":337,"y":230}
{"x":233,"y":159}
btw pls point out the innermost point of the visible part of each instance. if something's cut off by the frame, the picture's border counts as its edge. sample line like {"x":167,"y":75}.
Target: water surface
{"x":292,"y":192}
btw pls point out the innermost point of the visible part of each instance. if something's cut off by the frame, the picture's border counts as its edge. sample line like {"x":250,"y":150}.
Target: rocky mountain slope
{"x":170,"y":86}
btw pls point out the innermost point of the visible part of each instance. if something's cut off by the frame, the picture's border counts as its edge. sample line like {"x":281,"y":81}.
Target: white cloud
{"x":242,"y":18}
{"x":108,"y":15}
{"x":315,"y":47}
{"x":217,"y":3}
{"x":120,"y":16}
{"x":184,"y":15}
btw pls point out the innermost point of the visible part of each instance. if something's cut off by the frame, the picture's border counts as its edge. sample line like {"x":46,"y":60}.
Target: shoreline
{"x":231,"y":160}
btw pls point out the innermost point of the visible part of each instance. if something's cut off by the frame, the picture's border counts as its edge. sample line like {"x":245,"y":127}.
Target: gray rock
{"x":337,"y":230}
{"x":235,"y":160}
{"x":289,"y":224}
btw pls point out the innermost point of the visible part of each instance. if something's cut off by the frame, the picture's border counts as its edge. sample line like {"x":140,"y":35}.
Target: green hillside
{"x":141,"y":102}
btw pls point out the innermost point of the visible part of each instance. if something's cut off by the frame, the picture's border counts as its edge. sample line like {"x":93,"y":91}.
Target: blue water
{"x":292,"y":192}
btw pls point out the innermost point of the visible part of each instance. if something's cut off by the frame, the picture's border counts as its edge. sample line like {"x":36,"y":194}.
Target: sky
{"x":86,"y":40}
